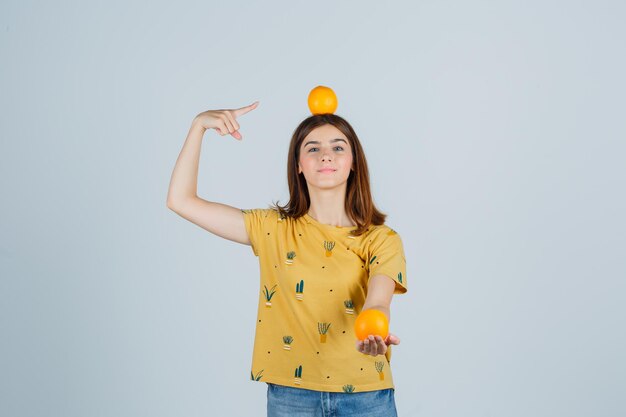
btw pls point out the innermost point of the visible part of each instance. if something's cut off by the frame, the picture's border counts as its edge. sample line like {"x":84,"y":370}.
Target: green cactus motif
{"x":329,"y":248}
{"x":379,"y":369}
{"x":256,"y":377}
{"x":268,"y":295}
{"x":290,"y":256}
{"x":322,"y":328}
{"x":300,"y":290}
{"x":349,"y":306}
{"x":246,"y":211}
{"x":298,"y":375}
{"x":373,"y":259}
{"x":287,"y":341}
{"x":348,"y":388}
{"x":400,"y":277}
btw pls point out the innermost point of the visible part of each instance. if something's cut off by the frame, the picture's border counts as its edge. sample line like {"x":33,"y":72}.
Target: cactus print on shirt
{"x":313,"y":286}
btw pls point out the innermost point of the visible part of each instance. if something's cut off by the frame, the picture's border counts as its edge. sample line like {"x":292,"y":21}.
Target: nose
{"x":325,"y":156}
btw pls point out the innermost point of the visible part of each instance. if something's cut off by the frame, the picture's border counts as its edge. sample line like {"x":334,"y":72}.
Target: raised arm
{"x":182,"y":197}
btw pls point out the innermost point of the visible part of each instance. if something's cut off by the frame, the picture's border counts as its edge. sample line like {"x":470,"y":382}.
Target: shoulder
{"x":382,"y":232}
{"x":262,"y":213}
{"x":261,"y":216}
{"x":382,"y":238}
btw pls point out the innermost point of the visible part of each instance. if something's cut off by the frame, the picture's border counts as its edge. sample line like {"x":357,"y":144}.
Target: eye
{"x":339,"y":148}
{"x":311,"y":149}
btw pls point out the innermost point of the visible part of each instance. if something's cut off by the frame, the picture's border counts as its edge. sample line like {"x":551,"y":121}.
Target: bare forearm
{"x":184,"y":181}
{"x":380,"y":308}
{"x":379,"y":294}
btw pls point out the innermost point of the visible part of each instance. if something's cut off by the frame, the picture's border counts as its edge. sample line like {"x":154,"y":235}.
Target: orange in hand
{"x":371,"y":322}
{"x":322,"y":100}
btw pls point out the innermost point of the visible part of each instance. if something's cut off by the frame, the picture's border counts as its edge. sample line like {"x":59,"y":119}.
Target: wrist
{"x":197,"y":125}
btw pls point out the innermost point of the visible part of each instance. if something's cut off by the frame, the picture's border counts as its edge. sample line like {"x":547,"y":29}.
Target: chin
{"x":327,"y":185}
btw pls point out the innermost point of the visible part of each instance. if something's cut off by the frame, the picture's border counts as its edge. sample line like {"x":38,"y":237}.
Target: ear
{"x":299,"y":168}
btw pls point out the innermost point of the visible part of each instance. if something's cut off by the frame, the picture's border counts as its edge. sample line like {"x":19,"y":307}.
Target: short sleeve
{"x":256,"y":222}
{"x":386,"y":257}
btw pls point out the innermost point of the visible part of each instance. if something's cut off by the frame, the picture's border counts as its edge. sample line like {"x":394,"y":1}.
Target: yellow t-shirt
{"x":313,"y":286}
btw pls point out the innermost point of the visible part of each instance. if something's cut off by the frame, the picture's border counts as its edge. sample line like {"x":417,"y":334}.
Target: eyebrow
{"x":316,"y":142}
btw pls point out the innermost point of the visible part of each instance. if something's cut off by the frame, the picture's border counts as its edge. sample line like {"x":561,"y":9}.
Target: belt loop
{"x":326,"y":405}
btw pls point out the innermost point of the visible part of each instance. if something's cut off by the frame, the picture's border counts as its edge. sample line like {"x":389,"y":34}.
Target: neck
{"x":328,"y":206}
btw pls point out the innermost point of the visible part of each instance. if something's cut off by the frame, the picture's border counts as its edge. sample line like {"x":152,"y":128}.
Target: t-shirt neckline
{"x":310,"y":219}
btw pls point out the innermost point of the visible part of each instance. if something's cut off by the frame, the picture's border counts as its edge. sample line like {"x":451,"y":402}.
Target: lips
{"x":327,"y":170}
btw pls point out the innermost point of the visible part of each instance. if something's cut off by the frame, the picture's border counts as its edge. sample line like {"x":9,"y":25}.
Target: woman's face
{"x":325,"y":158}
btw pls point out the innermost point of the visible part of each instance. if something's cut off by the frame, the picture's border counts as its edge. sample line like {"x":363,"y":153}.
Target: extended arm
{"x":379,"y":294}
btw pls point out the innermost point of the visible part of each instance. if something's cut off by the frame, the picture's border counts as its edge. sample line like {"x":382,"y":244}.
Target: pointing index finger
{"x":246,"y":109}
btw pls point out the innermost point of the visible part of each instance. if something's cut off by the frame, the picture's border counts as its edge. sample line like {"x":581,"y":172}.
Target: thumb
{"x":392,"y":340}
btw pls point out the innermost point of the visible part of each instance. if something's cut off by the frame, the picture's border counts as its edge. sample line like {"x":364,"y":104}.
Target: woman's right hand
{"x":224,"y":121}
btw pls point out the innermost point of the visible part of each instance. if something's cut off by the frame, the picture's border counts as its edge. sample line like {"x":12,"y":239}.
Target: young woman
{"x":324,"y":257}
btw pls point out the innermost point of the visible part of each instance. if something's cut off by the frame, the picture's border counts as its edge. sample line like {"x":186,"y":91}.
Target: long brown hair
{"x":358,"y":202}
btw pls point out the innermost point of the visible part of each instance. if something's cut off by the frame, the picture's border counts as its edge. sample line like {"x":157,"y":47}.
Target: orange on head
{"x":371,"y":322}
{"x":322,"y":100}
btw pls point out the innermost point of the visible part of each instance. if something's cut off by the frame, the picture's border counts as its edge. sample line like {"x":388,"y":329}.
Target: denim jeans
{"x":285,"y":401}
